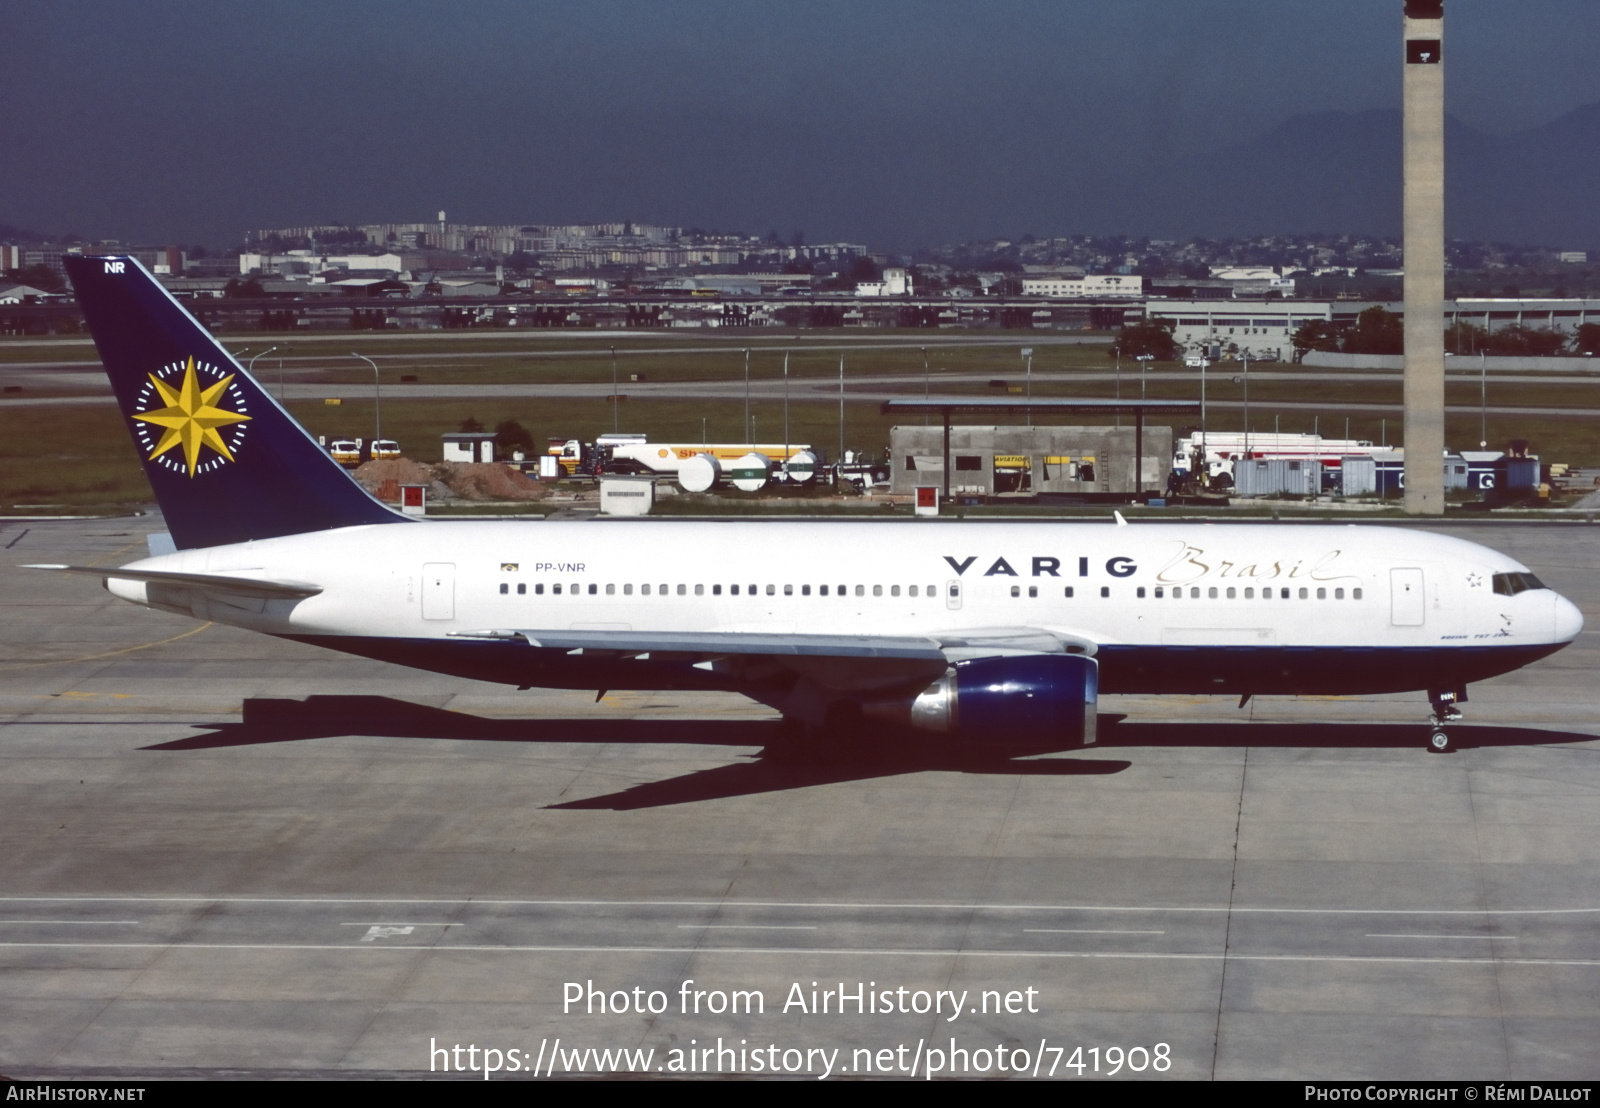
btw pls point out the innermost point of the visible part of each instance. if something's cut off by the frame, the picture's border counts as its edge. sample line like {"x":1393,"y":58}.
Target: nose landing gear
{"x":1443,"y":703}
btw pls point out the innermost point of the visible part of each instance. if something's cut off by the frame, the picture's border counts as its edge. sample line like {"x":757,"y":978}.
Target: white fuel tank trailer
{"x":699,"y":473}
{"x":751,"y":472}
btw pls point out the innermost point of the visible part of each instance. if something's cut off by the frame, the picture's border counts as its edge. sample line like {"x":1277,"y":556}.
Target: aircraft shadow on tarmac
{"x":777,"y":768}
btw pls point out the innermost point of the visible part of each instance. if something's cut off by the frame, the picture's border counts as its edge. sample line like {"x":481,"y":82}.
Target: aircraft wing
{"x":926,"y":648}
{"x":262,"y":587}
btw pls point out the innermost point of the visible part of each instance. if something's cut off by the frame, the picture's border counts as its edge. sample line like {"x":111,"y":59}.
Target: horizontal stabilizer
{"x":242,"y":586}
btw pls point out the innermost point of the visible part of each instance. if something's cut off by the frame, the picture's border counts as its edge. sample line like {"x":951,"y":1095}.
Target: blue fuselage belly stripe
{"x":1231,"y":670}
{"x":1306,"y":671}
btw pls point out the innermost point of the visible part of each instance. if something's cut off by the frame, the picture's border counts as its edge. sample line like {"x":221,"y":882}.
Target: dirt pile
{"x":449,"y":480}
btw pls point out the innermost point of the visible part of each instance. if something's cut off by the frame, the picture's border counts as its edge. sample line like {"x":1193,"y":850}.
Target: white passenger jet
{"x":993,"y":633}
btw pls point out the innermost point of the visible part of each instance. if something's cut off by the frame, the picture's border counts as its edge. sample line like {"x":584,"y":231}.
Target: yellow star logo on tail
{"x":191,"y":417}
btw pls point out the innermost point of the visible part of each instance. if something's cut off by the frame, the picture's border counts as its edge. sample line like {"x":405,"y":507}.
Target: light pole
{"x":785,"y":415}
{"x":1144,"y":361}
{"x":1119,"y":385}
{"x":616,"y":405}
{"x":1027,"y":353}
{"x":1247,"y":406}
{"x":1205,"y":462}
{"x":1483,"y":400}
{"x":251,"y":368}
{"x":748,"y":432}
{"x":926,"y":384}
{"x":377,"y":396}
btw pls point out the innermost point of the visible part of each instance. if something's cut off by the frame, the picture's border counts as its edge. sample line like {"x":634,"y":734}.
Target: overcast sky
{"x":889,"y":123}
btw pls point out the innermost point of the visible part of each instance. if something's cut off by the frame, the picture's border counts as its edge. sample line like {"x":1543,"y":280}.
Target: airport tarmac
{"x":229,"y":855}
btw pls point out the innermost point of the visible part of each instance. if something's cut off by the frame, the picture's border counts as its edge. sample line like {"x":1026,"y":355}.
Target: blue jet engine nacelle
{"x":1036,"y":698}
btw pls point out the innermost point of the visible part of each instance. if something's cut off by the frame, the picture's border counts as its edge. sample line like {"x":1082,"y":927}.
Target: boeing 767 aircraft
{"x":988,"y":632}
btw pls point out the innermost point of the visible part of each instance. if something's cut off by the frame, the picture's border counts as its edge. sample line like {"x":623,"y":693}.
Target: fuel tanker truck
{"x":697,"y":466}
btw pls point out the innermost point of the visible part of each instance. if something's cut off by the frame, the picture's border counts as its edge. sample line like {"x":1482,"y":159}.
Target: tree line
{"x":1378,"y":331}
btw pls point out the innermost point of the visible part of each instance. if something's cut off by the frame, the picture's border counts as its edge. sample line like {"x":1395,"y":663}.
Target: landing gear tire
{"x":1439,"y":742}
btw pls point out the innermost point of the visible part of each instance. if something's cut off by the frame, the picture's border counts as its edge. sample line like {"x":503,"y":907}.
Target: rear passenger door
{"x":439,"y":590}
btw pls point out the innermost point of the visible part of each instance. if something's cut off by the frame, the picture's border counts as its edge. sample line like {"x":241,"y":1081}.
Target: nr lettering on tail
{"x":226,"y":462}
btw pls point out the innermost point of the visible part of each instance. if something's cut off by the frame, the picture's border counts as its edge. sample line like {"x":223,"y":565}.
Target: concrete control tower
{"x":1423,"y":112}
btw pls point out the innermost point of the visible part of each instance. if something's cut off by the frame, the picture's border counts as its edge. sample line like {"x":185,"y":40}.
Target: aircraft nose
{"x":1568,"y":619}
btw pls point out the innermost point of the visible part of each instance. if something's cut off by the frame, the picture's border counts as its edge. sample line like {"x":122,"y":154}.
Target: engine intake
{"x":1033,"y":698}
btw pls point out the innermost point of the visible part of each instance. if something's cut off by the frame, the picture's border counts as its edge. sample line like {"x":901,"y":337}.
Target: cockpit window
{"x":1510,"y":584}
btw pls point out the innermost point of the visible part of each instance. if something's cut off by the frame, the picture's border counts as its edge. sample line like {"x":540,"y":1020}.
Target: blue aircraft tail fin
{"x":227,"y":463}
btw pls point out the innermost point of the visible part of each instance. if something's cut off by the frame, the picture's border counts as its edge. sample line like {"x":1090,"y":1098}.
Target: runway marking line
{"x":89,"y":922}
{"x":745,"y":927}
{"x":1487,"y":938}
{"x":107,"y":654}
{"x":1131,"y":955}
{"x":812,"y":905}
{"x":1087,"y":931}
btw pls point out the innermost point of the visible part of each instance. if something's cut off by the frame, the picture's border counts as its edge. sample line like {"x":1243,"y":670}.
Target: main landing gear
{"x":1443,"y":703}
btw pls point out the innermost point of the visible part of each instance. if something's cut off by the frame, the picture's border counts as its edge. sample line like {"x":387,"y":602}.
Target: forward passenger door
{"x":1407,"y":600}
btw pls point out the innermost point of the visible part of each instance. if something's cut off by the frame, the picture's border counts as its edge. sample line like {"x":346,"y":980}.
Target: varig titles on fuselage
{"x":1189,"y":563}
